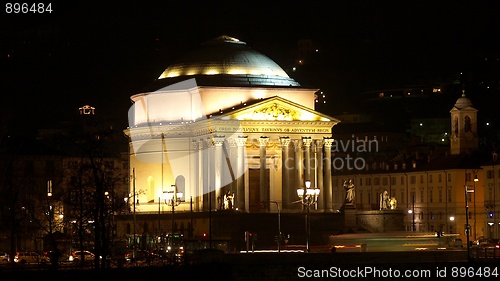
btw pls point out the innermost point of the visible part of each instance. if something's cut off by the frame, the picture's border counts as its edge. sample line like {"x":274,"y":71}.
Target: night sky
{"x":101,"y":54}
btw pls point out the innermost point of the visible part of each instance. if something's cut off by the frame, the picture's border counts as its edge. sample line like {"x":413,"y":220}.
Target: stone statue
{"x":393,"y":203}
{"x":228,"y":200}
{"x":386,"y":202}
{"x":349,"y":191}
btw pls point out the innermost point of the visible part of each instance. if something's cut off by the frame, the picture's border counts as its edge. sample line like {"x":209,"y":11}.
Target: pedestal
{"x":349,"y":212}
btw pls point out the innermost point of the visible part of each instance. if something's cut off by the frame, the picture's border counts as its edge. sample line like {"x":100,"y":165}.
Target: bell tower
{"x":463,"y":126}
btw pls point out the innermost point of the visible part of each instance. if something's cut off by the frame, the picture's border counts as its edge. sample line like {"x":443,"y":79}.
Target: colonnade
{"x":222,"y":166}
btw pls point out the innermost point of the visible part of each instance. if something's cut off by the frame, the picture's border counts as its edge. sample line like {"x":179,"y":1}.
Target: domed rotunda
{"x":226,"y":128}
{"x":228,"y":61}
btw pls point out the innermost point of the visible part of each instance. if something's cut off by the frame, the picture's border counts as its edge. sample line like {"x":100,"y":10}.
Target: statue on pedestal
{"x":386,"y":202}
{"x":349,"y":189}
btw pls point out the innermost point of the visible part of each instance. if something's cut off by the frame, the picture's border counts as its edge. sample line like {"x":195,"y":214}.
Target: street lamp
{"x":475,"y":180}
{"x":467,"y":226}
{"x":308,"y":196}
{"x":172,"y":198}
{"x":49,"y":203}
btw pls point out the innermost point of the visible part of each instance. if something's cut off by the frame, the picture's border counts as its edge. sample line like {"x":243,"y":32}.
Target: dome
{"x":463,"y":102}
{"x":228,"y":61}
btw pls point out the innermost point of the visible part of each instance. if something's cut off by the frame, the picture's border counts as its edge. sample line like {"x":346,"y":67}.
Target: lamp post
{"x":412,"y":211}
{"x":475,"y":180}
{"x":467,"y":226}
{"x":172,"y":198}
{"x":49,"y":203}
{"x":308,"y":196}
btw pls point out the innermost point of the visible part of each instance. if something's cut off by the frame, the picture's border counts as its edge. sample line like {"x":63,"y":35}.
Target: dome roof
{"x":463,"y":102}
{"x":228,"y":61}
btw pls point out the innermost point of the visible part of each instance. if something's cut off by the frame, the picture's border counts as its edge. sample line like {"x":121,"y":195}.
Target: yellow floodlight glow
{"x":192,"y":71}
{"x":236,"y":71}
{"x":169,"y":74}
{"x":212,"y":72}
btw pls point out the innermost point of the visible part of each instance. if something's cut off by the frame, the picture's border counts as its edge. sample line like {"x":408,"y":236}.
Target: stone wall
{"x":380,"y":220}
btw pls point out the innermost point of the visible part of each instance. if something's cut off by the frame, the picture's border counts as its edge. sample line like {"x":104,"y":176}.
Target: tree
{"x":95,"y":184}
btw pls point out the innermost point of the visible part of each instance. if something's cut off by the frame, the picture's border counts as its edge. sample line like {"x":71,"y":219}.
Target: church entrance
{"x":254,"y":189}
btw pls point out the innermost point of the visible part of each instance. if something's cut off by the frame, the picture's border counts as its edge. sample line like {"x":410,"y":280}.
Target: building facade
{"x":225,"y":128}
{"x":431,"y":188}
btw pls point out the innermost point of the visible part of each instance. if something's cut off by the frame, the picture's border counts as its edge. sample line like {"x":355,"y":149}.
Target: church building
{"x":226,"y":129}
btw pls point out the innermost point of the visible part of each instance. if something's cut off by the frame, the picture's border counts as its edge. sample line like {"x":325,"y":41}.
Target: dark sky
{"x":101,"y":54}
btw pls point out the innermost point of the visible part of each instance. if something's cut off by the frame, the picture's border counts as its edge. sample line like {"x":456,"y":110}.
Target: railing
{"x":485,"y":253}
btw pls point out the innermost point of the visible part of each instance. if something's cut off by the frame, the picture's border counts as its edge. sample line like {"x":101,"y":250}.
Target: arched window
{"x":455,"y":126}
{"x":180,"y":183}
{"x":467,"y":124}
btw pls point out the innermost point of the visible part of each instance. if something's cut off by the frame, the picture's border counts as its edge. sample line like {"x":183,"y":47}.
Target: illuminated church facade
{"x":225,"y":128}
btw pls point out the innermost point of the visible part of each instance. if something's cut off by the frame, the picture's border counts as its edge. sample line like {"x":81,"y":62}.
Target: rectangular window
{"x":440,"y":195}
{"x":440,"y":178}
{"x":402,"y":196}
{"x":467,"y":177}
{"x":489,"y":174}
{"x":402,"y":180}
{"x":430,"y":178}
{"x":421,"y":179}
{"x":449,"y":195}
{"x":376,"y":181}
{"x":449,"y":177}
{"x":384,"y":181}
{"x":368,"y":181}
{"x":413,"y":179}
{"x":421,"y":196}
{"x":431,"y":198}
{"x":393,"y":180}
{"x":360,"y":181}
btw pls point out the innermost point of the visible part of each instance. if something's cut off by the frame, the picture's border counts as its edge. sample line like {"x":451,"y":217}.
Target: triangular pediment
{"x":276,"y":109}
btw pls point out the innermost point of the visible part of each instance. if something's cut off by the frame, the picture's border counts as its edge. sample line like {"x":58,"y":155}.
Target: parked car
{"x":494,"y":243}
{"x":480,"y":241}
{"x":30,"y":258}
{"x":76,"y":256}
{"x":457,"y":243}
{"x":140,"y":256}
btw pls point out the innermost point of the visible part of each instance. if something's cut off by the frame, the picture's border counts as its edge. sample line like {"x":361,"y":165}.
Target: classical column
{"x":218,"y":142}
{"x":318,"y":172}
{"x":307,"y":141}
{"x":285,"y":171}
{"x":240,"y":168}
{"x":299,"y":178}
{"x":206,"y":145}
{"x":198,"y":176}
{"x":264,"y":192}
{"x":327,"y":179}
